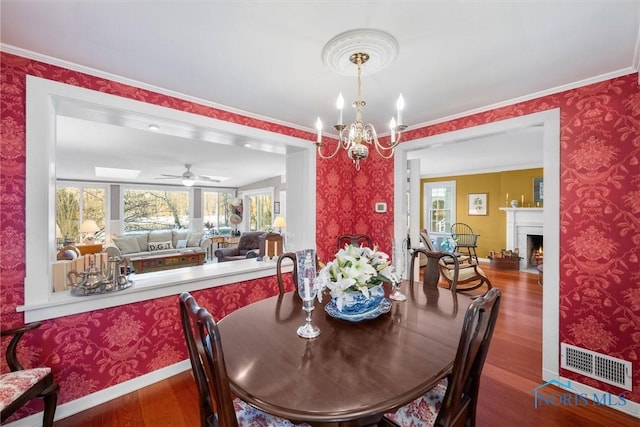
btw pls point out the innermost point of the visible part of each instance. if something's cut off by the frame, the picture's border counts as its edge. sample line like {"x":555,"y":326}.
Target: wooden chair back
{"x":207,"y":363}
{"x":464,"y":238}
{"x":461,"y":397}
{"x":354,"y":240}
{"x":45,"y":387}
{"x":431,"y":272}
{"x":294,"y":274}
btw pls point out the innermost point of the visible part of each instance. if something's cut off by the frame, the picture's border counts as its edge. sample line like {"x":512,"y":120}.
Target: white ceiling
{"x":263,"y":59}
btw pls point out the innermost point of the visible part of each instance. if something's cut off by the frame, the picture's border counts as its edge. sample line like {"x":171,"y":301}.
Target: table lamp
{"x":88,"y":228}
{"x":280,"y":223}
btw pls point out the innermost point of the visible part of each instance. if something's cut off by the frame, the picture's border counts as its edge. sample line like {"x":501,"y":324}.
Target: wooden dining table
{"x":353,"y":372}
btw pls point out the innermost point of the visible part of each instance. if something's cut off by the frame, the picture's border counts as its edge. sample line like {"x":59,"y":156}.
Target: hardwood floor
{"x":511,"y":372}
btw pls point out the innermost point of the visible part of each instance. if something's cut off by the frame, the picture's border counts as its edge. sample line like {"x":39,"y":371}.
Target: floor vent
{"x":595,"y":365}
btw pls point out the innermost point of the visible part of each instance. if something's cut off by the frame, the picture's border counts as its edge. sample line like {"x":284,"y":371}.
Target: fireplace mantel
{"x":520,"y":222}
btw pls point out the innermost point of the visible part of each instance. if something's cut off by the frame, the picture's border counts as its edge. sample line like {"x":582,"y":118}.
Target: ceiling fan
{"x":188,"y":177}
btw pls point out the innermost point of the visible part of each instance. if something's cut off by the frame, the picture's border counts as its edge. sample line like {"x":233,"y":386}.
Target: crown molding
{"x":141,"y":85}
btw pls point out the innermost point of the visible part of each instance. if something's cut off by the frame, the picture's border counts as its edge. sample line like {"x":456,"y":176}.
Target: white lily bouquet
{"x":354,"y":269}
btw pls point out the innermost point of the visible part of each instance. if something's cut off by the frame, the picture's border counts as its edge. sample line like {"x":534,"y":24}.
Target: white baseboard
{"x":630,"y":408}
{"x":89,"y":401}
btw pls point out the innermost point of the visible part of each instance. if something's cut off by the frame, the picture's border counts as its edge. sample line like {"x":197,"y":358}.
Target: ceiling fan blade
{"x":207,"y":178}
{"x":169,"y":176}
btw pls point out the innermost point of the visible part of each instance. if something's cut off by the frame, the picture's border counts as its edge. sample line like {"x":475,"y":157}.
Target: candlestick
{"x":340,"y":106}
{"x":307,"y":290}
{"x":522,"y":199}
{"x":400,"y":107}
{"x":319,"y":127}
{"x":392,"y":126}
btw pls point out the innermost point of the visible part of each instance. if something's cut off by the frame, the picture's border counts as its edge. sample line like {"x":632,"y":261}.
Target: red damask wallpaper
{"x":599,"y":212}
{"x":600,"y":232}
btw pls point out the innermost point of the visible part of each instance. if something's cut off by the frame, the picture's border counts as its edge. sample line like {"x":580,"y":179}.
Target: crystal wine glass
{"x":306,"y":260}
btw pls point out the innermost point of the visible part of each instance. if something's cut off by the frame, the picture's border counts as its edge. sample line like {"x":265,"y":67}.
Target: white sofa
{"x":157,"y":242}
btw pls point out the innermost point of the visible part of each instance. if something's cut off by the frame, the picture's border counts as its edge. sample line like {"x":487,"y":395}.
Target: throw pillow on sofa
{"x":127,"y":245}
{"x":159,"y":246}
{"x":177,"y":235}
{"x":193,"y":239}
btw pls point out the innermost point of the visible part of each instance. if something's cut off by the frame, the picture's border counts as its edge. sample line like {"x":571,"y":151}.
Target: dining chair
{"x":354,"y":240}
{"x":294,"y":273}
{"x":453,"y":401}
{"x":464,"y":238}
{"x":431,"y":272}
{"x":21,"y":385}
{"x":217,"y":406}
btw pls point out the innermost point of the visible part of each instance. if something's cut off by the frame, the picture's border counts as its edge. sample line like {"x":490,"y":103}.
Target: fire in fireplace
{"x":534,"y":250}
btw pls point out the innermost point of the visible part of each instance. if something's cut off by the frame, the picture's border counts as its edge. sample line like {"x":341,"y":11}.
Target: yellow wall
{"x":492,"y":227}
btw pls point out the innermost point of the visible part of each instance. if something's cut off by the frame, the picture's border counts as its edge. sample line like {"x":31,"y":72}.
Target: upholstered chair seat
{"x":15,"y":384}
{"x":247,"y":415}
{"x":422,"y":411}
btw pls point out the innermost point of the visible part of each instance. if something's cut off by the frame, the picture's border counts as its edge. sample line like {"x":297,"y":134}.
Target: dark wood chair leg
{"x":50,"y":397}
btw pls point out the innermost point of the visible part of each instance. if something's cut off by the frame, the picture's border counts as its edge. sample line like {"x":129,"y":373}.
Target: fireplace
{"x":534,"y":251}
{"x":525,"y":231}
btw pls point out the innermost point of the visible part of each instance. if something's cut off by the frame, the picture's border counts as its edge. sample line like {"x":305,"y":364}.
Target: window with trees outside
{"x":150,"y":209}
{"x":439,"y":206}
{"x":76,"y":203}
{"x":217,"y":210}
{"x":260,"y":211}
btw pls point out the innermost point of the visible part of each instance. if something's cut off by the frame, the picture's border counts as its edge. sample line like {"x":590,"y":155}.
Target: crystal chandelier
{"x":356,"y":137}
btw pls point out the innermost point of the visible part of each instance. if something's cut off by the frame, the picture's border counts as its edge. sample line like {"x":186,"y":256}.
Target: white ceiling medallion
{"x":382,"y":48}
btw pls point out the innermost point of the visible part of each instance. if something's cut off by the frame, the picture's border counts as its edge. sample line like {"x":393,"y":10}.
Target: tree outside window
{"x":146,"y":210}
{"x":77,"y":203}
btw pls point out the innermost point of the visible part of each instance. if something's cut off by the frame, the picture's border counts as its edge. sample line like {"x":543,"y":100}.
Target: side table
{"x":86,"y":248}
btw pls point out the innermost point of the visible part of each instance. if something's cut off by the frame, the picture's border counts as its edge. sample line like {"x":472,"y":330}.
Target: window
{"x":259,"y":204}
{"x":148,"y":209}
{"x":440,"y":206}
{"x":76,"y":203}
{"x":217,"y":211}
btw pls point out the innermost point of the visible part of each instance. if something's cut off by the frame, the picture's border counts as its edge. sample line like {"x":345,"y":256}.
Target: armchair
{"x":248,"y":247}
{"x":21,"y":385}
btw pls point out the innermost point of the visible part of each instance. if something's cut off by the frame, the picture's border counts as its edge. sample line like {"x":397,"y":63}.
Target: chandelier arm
{"x":371,"y":137}
{"x":331,"y":156}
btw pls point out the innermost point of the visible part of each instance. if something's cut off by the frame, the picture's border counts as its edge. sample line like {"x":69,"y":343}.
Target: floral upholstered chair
{"x":20,"y":385}
{"x":217,"y":406}
{"x":453,"y":400}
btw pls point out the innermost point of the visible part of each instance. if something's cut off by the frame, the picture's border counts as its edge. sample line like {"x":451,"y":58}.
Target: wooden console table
{"x":166,"y":262}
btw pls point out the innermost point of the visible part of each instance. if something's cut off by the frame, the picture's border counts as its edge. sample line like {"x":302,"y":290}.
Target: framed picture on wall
{"x":477,"y":203}
{"x":276,"y":207}
{"x":538,"y":191}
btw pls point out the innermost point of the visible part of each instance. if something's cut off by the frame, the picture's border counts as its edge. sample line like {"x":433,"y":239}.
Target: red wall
{"x":599,"y":212}
{"x":600,"y":237}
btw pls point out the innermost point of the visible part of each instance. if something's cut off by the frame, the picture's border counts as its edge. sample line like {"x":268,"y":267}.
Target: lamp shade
{"x":279,"y":222}
{"x":89,"y":226}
